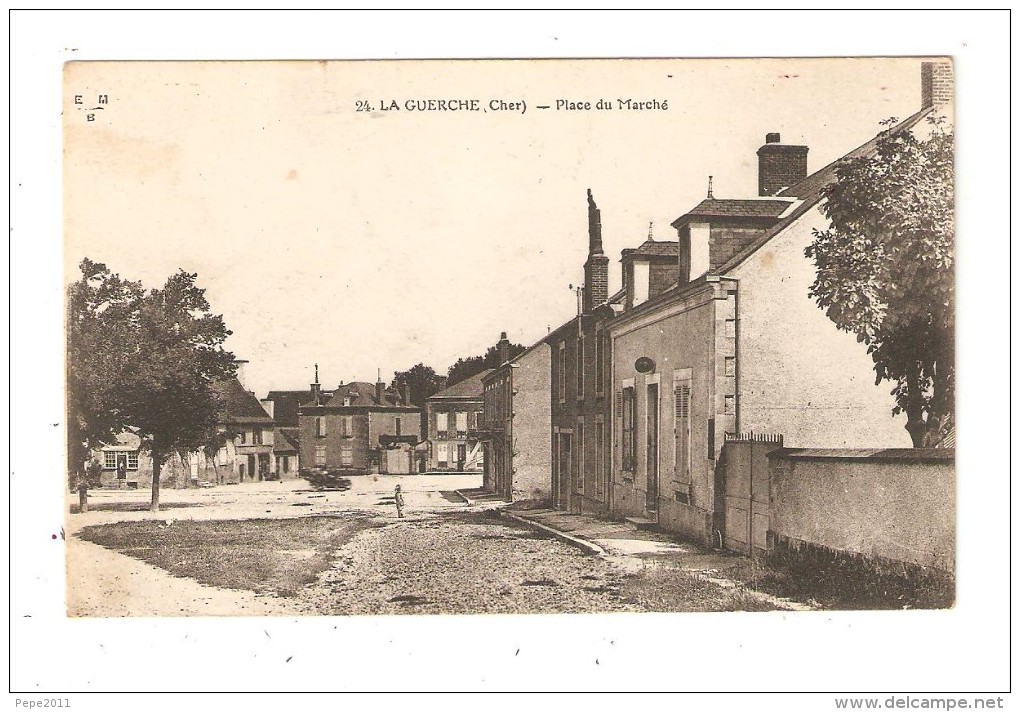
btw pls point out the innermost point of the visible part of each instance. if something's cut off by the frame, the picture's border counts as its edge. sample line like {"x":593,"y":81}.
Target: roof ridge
{"x":809,"y":202}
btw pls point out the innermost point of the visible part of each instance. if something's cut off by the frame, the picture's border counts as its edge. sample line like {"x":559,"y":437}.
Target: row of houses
{"x":357,"y":427}
{"x":624,"y":410}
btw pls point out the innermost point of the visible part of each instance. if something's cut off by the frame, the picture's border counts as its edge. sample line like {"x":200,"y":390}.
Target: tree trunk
{"x":157,"y":465}
{"x":83,"y":497}
{"x":915,"y":414}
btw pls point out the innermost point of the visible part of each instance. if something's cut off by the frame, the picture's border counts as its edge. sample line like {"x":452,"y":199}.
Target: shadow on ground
{"x":135,"y":506}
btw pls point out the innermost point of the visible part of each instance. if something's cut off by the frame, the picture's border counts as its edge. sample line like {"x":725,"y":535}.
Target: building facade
{"x":355,"y":428}
{"x":453,"y":418}
{"x":244,"y":452}
{"x":517,"y":419}
{"x":580,"y":397}
{"x":735,"y":346}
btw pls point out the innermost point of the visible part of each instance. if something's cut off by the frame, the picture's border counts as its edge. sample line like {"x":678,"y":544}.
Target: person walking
{"x":398,"y":498}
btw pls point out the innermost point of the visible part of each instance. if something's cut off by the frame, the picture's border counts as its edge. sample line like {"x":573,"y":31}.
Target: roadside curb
{"x":583,"y":544}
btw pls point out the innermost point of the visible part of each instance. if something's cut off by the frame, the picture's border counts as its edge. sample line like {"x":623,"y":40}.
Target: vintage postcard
{"x":540,"y":336}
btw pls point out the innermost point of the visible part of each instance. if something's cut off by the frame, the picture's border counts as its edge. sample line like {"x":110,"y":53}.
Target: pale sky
{"x":365,"y":240}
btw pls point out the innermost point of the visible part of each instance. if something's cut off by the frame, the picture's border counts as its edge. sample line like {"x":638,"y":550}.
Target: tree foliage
{"x":465,"y":368}
{"x":885,"y":268}
{"x":144,"y":361}
{"x":101,"y":311}
{"x":422,"y":381}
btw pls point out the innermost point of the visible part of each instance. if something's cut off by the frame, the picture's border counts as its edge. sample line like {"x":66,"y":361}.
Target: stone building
{"x":580,"y":396}
{"x":245,"y":453}
{"x":453,"y":418}
{"x":738,"y":345}
{"x":355,"y":428}
{"x":518,"y":424}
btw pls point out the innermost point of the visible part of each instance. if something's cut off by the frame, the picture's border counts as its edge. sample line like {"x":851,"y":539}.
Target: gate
{"x":746,"y":469}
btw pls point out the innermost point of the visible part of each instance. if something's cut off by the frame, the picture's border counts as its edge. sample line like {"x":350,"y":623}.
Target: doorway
{"x":565,"y":470}
{"x":652,"y":449}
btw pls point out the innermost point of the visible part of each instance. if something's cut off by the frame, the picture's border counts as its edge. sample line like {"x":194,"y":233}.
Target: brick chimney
{"x":380,"y":388}
{"x":936,"y":83}
{"x":779,"y":165}
{"x":596,"y":269}
{"x":407,"y":394}
{"x":503,"y":348}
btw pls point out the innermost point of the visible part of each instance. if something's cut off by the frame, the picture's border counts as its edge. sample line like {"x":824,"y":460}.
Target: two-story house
{"x":733,"y":346}
{"x":355,"y":429}
{"x":517,"y":422}
{"x":453,"y":417}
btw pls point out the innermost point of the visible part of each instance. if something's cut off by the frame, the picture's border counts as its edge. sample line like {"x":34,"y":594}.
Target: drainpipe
{"x":512,"y":453}
{"x":736,"y":360}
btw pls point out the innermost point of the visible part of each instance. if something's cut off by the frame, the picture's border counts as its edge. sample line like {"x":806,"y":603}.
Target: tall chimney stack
{"x":316,"y":389}
{"x":596,"y":269}
{"x":780,"y":165}
{"x":380,"y":387}
{"x":503,"y":348}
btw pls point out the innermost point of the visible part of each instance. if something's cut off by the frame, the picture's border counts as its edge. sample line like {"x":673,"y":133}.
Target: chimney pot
{"x":772,"y":138}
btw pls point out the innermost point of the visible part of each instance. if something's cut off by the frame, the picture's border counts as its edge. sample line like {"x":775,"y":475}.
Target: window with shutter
{"x":683,"y":401}
{"x":629,"y":418}
{"x":580,"y":367}
{"x":682,"y":425}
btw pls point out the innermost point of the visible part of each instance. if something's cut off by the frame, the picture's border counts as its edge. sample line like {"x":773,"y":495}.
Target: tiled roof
{"x":737,"y":208}
{"x":239,"y":406}
{"x":809,"y":190}
{"x":652,"y":248}
{"x":364,"y":395}
{"x":286,"y":406}
{"x":468,"y":388}
{"x":282,"y":441}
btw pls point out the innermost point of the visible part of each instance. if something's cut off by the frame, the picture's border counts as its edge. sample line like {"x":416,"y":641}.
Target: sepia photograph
{"x":415,"y":356}
{"x":428,"y":337}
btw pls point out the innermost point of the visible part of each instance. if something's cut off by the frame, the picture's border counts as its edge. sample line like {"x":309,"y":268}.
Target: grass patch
{"x":277,"y":556}
{"x":671,"y":590}
{"x":838,"y":581}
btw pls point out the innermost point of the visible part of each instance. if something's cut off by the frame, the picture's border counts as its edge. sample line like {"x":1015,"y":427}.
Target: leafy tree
{"x":465,"y":368}
{"x":424,"y":383}
{"x":885,"y":268}
{"x":422,"y":380}
{"x":144,"y":361}
{"x":101,"y":311}
{"x":171,"y":399}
